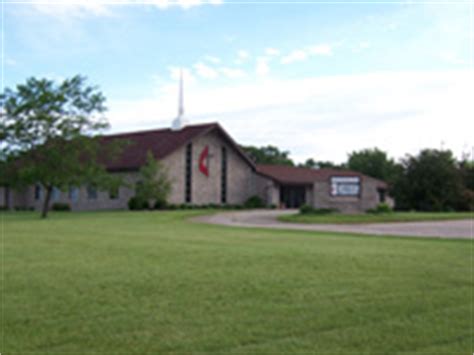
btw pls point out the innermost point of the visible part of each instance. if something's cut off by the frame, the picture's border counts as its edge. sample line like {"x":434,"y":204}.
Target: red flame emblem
{"x":204,"y":161}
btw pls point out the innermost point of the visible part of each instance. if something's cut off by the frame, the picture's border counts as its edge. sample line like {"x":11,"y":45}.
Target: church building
{"x":206,"y":166}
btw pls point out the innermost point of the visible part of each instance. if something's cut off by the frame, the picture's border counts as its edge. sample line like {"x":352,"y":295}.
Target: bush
{"x":136,"y":204}
{"x":254,"y":202}
{"x":23,"y":209}
{"x":306,"y":209}
{"x":160,"y":205}
{"x":381,"y":208}
{"x":59,"y":206}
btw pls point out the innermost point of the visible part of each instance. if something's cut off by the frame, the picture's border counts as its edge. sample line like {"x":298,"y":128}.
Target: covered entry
{"x":292,"y":196}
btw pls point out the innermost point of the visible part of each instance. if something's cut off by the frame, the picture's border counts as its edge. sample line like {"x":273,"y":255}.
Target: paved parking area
{"x":268,"y":219}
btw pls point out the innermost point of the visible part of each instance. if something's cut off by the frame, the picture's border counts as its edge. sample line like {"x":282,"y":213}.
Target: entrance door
{"x":292,"y":196}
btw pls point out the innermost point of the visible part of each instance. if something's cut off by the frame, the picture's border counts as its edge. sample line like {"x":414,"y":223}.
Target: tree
{"x":314,"y":164}
{"x":375,"y":163}
{"x":268,"y":155}
{"x":430,"y":181}
{"x":47,"y":134}
{"x":155,"y":186}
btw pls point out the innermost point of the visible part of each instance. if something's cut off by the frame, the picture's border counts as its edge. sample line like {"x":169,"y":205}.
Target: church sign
{"x":345,"y":186}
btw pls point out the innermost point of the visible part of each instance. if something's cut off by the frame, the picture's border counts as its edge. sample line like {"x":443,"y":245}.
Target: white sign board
{"x":345,"y":186}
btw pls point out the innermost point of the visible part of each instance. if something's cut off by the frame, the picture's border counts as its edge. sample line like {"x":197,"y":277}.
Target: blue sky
{"x":319,"y":80}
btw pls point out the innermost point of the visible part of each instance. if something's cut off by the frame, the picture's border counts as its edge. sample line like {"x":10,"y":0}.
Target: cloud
{"x":212,"y":59}
{"x":321,"y":49}
{"x":262,"y":68}
{"x":185,"y":4}
{"x":295,"y":56}
{"x":242,"y":56}
{"x":205,"y":71}
{"x":83,"y":8}
{"x":300,"y":55}
{"x":272,"y":52}
{"x":325,"y":117}
{"x":232,"y":73}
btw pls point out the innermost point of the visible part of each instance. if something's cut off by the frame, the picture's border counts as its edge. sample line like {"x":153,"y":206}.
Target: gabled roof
{"x":284,"y":174}
{"x":161,"y":143}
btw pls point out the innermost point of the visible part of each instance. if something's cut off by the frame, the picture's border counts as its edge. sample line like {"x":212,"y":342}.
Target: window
{"x":188,"y":173}
{"x":55,"y":194}
{"x":345,"y":186}
{"x":224,"y":175}
{"x":92,"y":192}
{"x":37,"y":192}
{"x":73,"y":194}
{"x":114,"y":193}
{"x":382,"y":197}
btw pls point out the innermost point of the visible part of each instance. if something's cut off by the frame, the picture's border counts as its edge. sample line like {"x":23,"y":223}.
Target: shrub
{"x":160,"y":205}
{"x":23,"y":209}
{"x":306,"y":209}
{"x":59,"y":206}
{"x":136,"y":204}
{"x":381,"y":208}
{"x":254,"y":202}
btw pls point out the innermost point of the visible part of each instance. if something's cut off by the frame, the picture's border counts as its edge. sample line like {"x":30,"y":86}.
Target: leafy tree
{"x":375,"y":163}
{"x":430,"y":181}
{"x":155,"y":186}
{"x":314,"y":164}
{"x":268,"y":155}
{"x":46,"y":130}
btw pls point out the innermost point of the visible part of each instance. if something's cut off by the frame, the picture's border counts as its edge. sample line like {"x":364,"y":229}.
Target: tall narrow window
{"x":37,"y":192}
{"x":73,"y":193}
{"x":188,"y":174}
{"x":224,"y":175}
{"x":55,"y":194}
{"x":92,"y":192}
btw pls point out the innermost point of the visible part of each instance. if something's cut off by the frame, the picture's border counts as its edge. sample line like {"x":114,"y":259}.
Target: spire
{"x":179,"y":122}
{"x":181,"y":98}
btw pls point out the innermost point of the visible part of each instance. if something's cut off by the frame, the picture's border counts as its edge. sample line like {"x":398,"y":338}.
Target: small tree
{"x":375,"y":163}
{"x":268,"y":155}
{"x":46,"y":131}
{"x":155,"y":186}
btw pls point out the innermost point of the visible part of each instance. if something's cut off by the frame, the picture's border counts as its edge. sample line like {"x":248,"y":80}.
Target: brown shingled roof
{"x":284,"y":174}
{"x":161,"y":143}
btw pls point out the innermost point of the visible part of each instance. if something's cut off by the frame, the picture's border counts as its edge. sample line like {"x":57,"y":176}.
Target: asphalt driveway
{"x":268,"y":219}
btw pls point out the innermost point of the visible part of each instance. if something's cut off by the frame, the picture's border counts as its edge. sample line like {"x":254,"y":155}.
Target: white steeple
{"x":180,"y":121}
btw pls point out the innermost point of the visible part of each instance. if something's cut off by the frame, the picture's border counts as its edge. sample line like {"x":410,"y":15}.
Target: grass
{"x":152,"y":282}
{"x":337,"y":218}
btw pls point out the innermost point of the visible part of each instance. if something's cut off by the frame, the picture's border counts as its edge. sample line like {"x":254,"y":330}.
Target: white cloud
{"x":262,"y":68}
{"x":82,"y":8}
{"x":185,"y":4}
{"x":295,"y":56}
{"x":10,"y":62}
{"x":453,"y":58}
{"x":205,"y":71}
{"x":212,"y":59}
{"x":232,"y":73}
{"x":272,"y":52}
{"x":321,"y":49}
{"x":175,"y":73}
{"x":242,"y":56}
{"x":325,"y":117}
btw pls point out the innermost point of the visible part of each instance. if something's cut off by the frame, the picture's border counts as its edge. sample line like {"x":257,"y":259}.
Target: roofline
{"x":211,"y":126}
{"x":119,"y":134}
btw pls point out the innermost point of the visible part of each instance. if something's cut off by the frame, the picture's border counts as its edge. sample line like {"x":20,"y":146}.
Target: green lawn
{"x":151,"y":282}
{"x":339,"y":218}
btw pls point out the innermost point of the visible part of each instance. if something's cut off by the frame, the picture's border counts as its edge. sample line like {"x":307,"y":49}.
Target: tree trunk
{"x":47,"y":198}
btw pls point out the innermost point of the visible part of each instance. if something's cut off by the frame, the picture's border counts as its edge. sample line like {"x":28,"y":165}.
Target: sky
{"x":319,"y":79}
